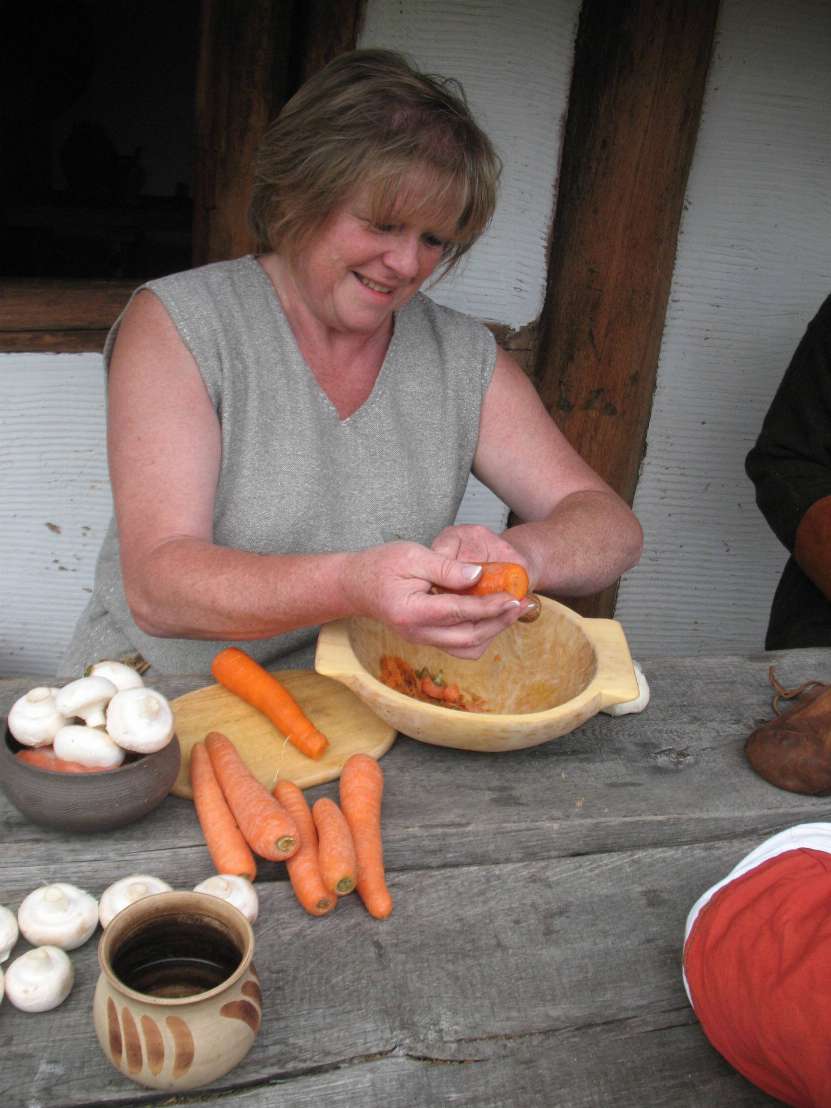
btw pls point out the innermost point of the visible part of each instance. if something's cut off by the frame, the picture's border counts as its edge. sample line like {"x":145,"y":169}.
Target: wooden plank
{"x":533,"y":1075}
{"x":53,"y":342}
{"x":675,"y":773}
{"x":535,"y":944}
{"x":636,"y":95}
{"x":27,"y":304}
{"x":531,"y":973}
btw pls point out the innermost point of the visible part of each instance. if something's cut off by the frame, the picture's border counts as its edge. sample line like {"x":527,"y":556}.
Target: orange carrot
{"x":229,"y":851}
{"x":451,"y":694}
{"x":304,"y":867}
{"x":503,"y":577}
{"x":361,"y":789}
{"x":44,"y":757}
{"x":336,"y":850}
{"x":500,"y":577}
{"x":267,"y":827}
{"x":245,"y":677}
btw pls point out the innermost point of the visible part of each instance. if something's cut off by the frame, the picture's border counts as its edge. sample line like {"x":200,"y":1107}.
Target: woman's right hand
{"x":393,"y":583}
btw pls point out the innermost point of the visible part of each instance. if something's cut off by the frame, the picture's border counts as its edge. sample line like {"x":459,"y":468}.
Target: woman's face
{"x":355,"y":272}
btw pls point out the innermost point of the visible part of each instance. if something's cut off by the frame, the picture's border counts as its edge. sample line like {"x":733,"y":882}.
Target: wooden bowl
{"x":539,"y":680}
{"x":88,"y":801}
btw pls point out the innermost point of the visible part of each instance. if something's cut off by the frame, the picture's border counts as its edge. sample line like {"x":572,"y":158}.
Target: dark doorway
{"x":96,"y":137}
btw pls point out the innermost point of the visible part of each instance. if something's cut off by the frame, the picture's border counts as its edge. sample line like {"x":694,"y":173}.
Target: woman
{"x":290,"y":435}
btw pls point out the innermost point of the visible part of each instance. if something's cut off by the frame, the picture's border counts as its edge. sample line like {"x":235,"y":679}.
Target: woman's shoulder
{"x":448,"y":325}
{"x":215,"y":277}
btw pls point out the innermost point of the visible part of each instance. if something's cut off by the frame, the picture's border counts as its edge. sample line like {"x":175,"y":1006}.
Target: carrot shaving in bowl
{"x":428,"y":687}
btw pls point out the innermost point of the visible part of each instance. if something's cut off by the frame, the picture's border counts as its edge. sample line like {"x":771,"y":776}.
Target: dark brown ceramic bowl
{"x":88,"y":801}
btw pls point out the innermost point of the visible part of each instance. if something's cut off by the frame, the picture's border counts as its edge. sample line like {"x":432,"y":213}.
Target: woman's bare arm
{"x":578,"y":536}
{"x":164,"y":448}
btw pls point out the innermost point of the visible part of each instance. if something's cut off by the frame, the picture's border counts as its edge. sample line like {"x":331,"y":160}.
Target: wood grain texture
{"x":636,"y":94}
{"x":59,"y":316}
{"x":241,"y":84}
{"x":254,"y":54}
{"x":345,"y":720}
{"x":534,"y":947}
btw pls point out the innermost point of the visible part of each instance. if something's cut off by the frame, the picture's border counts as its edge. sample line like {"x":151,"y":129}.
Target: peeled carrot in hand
{"x":507,"y":577}
{"x":266,"y":825}
{"x":304,"y":867}
{"x":500,"y":577}
{"x":361,"y":789}
{"x":245,"y":677}
{"x":44,"y":757}
{"x":229,"y":851}
{"x":336,"y":850}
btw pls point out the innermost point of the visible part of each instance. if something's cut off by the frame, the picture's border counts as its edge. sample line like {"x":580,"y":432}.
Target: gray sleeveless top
{"x":294,"y":477}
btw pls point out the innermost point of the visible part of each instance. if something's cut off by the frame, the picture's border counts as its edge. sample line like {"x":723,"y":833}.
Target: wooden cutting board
{"x":343,"y":718}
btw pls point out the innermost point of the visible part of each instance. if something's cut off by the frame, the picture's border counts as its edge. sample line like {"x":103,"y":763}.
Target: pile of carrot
{"x":329,"y":850}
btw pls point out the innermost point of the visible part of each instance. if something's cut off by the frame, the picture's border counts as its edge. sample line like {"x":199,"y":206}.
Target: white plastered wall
{"x":752,"y":267}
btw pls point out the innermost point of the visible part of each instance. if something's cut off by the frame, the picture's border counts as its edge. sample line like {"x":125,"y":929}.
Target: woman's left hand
{"x":469,"y":542}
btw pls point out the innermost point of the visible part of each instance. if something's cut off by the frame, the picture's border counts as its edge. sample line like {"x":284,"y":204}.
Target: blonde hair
{"x":371,"y":118}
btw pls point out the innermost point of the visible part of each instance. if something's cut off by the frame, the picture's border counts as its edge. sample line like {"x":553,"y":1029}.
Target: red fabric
{"x":758,"y":968}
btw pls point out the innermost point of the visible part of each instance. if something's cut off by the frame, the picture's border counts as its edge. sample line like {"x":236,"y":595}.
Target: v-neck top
{"x":295,"y":478}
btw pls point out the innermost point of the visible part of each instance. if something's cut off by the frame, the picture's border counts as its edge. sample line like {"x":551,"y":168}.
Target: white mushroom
{"x":34,"y":719}
{"x":88,"y":745}
{"x":1,"y":984}
{"x":236,"y":890}
{"x":40,"y":979}
{"x":140,"y":720}
{"x":122,"y":893}
{"x":58,"y":915}
{"x":640,"y":701}
{"x":8,"y":932}
{"x":86,"y":698}
{"x":121,"y":675}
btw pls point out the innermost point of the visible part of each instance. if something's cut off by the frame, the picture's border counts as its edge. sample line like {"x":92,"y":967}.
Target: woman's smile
{"x":356,"y":272}
{"x":386,"y":290}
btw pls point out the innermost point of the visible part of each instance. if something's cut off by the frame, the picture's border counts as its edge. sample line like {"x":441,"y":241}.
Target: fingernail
{"x":470,"y":573}
{"x":510,"y":604}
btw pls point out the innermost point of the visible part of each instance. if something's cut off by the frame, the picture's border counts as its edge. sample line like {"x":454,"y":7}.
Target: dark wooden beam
{"x":241,"y":82}
{"x":57,"y":315}
{"x":325,"y":28}
{"x":636,"y":95}
{"x":254,"y":54}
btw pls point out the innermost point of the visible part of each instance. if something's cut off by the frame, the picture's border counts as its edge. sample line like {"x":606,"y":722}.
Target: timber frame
{"x":634,"y":105}
{"x":635,"y":101}
{"x":253,"y":54}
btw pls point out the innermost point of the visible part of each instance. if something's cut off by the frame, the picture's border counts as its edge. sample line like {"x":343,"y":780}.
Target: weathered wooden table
{"x":533,"y":957}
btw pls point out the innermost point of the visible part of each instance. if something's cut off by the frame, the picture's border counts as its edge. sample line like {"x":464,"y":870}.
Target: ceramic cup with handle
{"x":178,"y":1001}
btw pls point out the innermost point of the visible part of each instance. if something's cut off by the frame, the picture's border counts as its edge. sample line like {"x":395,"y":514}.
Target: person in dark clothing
{"x":790,"y":465}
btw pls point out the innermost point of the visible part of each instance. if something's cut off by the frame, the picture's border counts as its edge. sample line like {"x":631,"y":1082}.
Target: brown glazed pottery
{"x":178,"y":1001}
{"x":88,"y":801}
